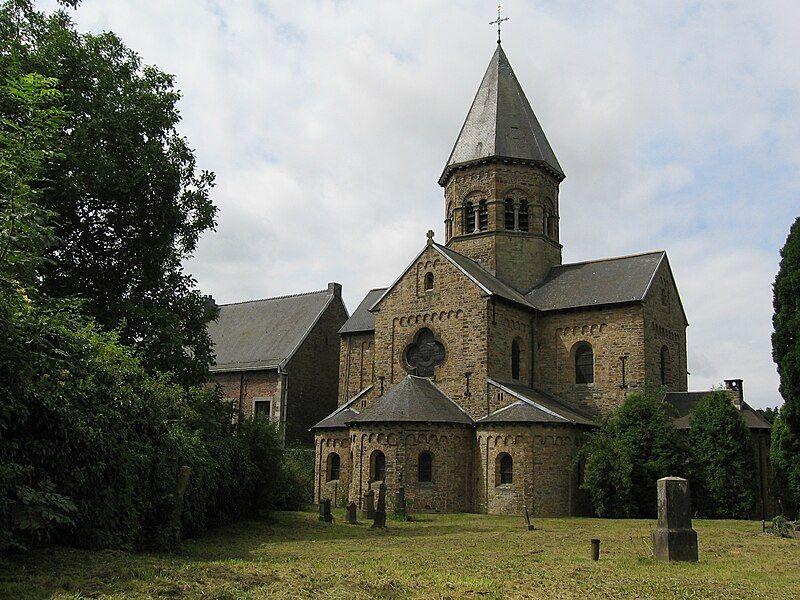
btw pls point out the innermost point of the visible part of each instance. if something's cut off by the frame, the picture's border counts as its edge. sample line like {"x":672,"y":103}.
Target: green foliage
{"x":30,"y":122}
{"x":128,"y":199}
{"x":770,"y":413}
{"x":786,"y":354}
{"x":722,"y":465}
{"x":634,"y":446}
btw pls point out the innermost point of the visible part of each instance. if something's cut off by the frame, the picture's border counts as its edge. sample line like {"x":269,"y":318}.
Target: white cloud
{"x":328,"y":124}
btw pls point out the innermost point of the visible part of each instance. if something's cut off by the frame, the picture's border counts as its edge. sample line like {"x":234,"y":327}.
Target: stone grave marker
{"x":674,"y":539}
{"x":351,"y":514}
{"x":380,"y":513}
{"x":369,"y":504}
{"x":400,"y":501}
{"x":325,"y":510}
{"x":528,"y":524}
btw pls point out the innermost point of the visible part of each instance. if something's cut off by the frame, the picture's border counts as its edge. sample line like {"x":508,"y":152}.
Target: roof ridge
{"x":610,"y":258}
{"x":274,"y":298}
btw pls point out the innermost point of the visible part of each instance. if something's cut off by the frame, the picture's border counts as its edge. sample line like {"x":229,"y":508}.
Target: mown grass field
{"x":293,"y":555}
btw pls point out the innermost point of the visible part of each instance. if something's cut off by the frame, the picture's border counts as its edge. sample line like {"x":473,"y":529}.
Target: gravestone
{"x":674,"y":539}
{"x":380,"y":512}
{"x":400,"y":501}
{"x":351,"y":514}
{"x":369,"y":504}
{"x":325,"y":510}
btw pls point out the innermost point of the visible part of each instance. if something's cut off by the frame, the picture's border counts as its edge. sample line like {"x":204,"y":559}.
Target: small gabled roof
{"x":533,"y":406}
{"x":501,"y":124}
{"x":684,"y":402}
{"x":490,"y":284}
{"x":414,"y":399}
{"x":362,"y":320}
{"x":264,"y":334}
{"x":339,"y":418}
{"x":596,"y":283}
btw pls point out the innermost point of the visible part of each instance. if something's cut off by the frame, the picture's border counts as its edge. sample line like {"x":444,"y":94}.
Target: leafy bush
{"x":634,"y":446}
{"x":722,"y":463}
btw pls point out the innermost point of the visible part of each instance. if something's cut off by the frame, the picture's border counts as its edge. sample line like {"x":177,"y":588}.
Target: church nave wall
{"x":356,"y":364}
{"x":612,"y":332}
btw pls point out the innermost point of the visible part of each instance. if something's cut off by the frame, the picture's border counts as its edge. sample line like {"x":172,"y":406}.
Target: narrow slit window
{"x":483,"y":216}
{"x":425,"y":470}
{"x":523,"y":215}
{"x":509,"y":214}
{"x":469,"y":217}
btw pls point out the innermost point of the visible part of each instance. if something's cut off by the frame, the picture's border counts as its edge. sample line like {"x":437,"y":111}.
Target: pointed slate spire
{"x":501,"y":124}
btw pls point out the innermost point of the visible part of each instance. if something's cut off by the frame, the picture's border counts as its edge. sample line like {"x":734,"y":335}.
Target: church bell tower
{"x":501,"y":184}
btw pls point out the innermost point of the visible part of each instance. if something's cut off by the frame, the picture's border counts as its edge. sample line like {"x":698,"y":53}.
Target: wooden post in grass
{"x":177,"y":507}
{"x":595,"y":549}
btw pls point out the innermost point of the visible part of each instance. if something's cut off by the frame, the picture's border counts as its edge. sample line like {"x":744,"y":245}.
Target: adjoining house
{"x":278,"y":358}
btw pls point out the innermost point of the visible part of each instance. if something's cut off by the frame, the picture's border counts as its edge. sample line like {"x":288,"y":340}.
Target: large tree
{"x":785,"y":451}
{"x":722,"y":463}
{"x":128,"y":198}
{"x":635,"y":445}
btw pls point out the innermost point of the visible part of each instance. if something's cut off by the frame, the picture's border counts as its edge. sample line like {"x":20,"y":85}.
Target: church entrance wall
{"x":450,"y":453}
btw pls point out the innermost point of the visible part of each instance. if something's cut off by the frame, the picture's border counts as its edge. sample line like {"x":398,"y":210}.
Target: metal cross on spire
{"x":499,"y":20}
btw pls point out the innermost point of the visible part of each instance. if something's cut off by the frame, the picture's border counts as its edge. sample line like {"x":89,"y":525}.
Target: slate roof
{"x":597,"y":282}
{"x":533,"y":406}
{"x":264,"y":334}
{"x":362,"y":320}
{"x":339,"y":418}
{"x":501,"y":123}
{"x":683,"y":402}
{"x":413,"y":399}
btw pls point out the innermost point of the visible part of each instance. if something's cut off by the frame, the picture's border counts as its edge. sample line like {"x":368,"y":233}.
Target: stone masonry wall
{"x":313,"y":375}
{"x":612,"y":332}
{"x":327,"y":442}
{"x":665,"y":325}
{"x":451,"y":447}
{"x":544,"y":479}
{"x":506,"y":324}
{"x":356,"y":364}
{"x":454,"y":311}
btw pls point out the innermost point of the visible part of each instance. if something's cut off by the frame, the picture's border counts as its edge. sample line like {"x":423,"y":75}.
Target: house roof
{"x":264,"y":334}
{"x":533,"y":406}
{"x":684,"y":402}
{"x":413,"y":399}
{"x":501,"y":124}
{"x":339,"y":418}
{"x":597,"y":282}
{"x":362,"y":320}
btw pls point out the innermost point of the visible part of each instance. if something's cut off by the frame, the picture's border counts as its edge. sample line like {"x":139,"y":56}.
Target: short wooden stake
{"x":595,"y":549}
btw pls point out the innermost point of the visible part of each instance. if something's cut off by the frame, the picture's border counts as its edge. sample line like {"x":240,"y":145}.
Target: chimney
{"x":736,"y":391}
{"x":210,"y":307}
{"x":335,"y":289}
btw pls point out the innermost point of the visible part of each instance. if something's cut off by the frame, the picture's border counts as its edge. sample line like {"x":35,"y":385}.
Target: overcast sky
{"x":328,"y":124}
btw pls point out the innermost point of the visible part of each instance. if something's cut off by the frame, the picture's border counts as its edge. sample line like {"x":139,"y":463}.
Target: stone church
{"x":473,"y":378}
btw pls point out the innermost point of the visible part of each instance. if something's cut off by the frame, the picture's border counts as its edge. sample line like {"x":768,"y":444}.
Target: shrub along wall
{"x":91,"y":444}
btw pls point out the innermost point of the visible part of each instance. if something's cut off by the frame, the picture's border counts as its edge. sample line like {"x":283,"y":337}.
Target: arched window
{"x":546,"y":221}
{"x":509,"y":213}
{"x":469,"y":217}
{"x":483,"y":216}
{"x":378,"y":467}
{"x":515,"y":359}
{"x":505,"y":469}
{"x":428,"y":281}
{"x":425,"y":468}
{"x":584,"y":363}
{"x":333,"y":466}
{"x":666,"y":370}
{"x":523,"y":215}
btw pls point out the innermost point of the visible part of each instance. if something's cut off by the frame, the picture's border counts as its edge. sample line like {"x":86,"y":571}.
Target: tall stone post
{"x":380,"y":512}
{"x":674,"y":539}
{"x":369,"y":504}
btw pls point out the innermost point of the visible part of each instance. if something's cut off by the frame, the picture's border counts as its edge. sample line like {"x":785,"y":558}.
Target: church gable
{"x":432,"y":322}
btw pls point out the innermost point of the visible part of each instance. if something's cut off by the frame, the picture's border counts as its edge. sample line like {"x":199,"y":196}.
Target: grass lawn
{"x":293,"y":555}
